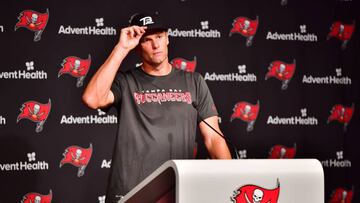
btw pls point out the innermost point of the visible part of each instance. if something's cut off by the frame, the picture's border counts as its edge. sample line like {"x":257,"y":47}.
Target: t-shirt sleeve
{"x":204,"y":102}
{"x":117,"y":86}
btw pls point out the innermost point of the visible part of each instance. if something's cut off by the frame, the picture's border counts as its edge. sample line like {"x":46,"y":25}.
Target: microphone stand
{"x":226,"y":140}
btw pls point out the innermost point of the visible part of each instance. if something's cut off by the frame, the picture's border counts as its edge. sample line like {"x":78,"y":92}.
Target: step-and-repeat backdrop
{"x":283,"y":73}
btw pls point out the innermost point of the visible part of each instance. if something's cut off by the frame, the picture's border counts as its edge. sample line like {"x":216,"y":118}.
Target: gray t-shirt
{"x":157,"y":122}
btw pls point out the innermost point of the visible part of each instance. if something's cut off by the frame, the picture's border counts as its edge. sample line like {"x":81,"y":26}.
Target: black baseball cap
{"x":153,"y":22}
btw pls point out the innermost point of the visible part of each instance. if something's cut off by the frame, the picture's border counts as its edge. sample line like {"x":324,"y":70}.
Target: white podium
{"x":232,"y":181}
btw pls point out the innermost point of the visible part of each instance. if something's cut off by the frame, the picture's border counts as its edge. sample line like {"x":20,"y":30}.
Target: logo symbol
{"x":246,"y":27}
{"x":204,"y":25}
{"x":283,"y":2}
{"x":341,"y":114}
{"x":183,"y":64}
{"x":78,"y":157}
{"x":341,"y":195}
{"x":242,"y":154}
{"x":36,"y":112}
{"x":99,"y":22}
{"x":33,"y":21}
{"x":246,"y":112}
{"x":281,"y":71}
{"x":31,"y":156}
{"x":341,"y":31}
{"x":282,"y":152}
{"x":146,"y":20}
{"x":255,"y":194}
{"x":76,"y":67}
{"x":101,"y":199}
{"x":303,"y":28}
{"x":37,"y":198}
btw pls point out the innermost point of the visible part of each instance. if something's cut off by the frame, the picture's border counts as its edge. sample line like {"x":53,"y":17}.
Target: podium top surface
{"x":235,"y":181}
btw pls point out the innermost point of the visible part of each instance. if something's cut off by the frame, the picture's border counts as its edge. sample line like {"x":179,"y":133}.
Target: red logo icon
{"x":281,"y":71}
{"x":78,"y":157}
{"x":256,"y":194}
{"x":246,"y":112}
{"x":342,"y":32}
{"x":246,"y":27}
{"x":33,"y":21}
{"x":183,"y":64}
{"x":282,"y":152}
{"x":341,"y":114}
{"x":76,"y":67}
{"x":37,"y":198}
{"x":340,"y":195}
{"x":36,"y":112}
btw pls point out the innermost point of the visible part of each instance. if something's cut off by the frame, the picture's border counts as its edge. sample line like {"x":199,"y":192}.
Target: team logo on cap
{"x":76,"y":67}
{"x":256,"y":194}
{"x":342,"y":32}
{"x":341,"y":114}
{"x":246,"y":112}
{"x":78,"y":157}
{"x":281,"y":71}
{"x":246,"y":27}
{"x":341,"y":195}
{"x":33,"y":21}
{"x":36,"y":112}
{"x":183,"y":64}
{"x":282,"y":152}
{"x":146,"y":20}
{"x":37,"y":198}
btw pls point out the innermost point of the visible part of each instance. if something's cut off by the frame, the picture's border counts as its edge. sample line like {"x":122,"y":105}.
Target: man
{"x":158,"y":107}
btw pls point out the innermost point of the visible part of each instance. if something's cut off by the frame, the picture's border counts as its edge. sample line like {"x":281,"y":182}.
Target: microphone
{"x":226,"y":140}
{"x":221,"y":135}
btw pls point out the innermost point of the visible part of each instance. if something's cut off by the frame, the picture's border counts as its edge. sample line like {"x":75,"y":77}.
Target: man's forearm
{"x":96,"y":92}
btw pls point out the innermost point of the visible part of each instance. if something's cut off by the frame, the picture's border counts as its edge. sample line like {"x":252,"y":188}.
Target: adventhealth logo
{"x":240,"y":76}
{"x":101,"y":118}
{"x":295,"y":36}
{"x":339,"y":79}
{"x":339,"y":162}
{"x":204,"y":32}
{"x":29,"y":73}
{"x":30,"y":165}
{"x":88,"y":30}
{"x":293,"y":120}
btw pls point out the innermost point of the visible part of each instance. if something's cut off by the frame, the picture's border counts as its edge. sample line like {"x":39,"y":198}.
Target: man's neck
{"x":159,"y":70}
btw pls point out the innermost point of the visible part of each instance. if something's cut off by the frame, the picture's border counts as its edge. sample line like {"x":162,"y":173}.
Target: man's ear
{"x":167,"y":38}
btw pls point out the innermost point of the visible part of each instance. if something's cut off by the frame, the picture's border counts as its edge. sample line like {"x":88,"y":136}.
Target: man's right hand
{"x":130,"y":37}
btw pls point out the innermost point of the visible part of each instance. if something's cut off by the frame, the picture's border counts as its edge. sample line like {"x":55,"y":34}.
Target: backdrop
{"x":283,"y":73}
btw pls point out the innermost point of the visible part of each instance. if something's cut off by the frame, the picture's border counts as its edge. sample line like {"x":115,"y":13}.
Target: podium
{"x":232,"y":181}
